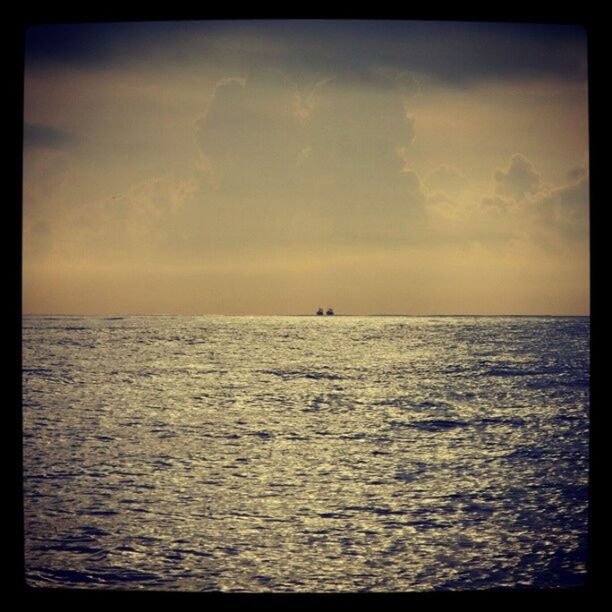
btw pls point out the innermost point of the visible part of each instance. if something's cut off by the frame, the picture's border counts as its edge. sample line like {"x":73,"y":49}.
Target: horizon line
{"x":213,"y":314}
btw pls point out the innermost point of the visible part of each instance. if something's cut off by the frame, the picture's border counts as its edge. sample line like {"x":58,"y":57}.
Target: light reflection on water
{"x":305,"y":453}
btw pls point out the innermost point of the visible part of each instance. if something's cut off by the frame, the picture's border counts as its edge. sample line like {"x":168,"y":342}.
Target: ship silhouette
{"x":330,"y":311}
{"x":320,"y":312}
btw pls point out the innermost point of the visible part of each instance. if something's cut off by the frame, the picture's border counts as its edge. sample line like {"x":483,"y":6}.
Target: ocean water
{"x":314,"y":454}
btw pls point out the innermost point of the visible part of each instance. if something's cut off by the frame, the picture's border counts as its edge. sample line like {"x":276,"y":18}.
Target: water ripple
{"x":255,"y":454}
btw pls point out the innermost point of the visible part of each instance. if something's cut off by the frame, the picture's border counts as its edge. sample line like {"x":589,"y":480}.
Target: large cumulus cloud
{"x":518,"y":180}
{"x":322,"y":160}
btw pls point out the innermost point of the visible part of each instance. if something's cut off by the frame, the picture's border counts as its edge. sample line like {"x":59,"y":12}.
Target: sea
{"x":305,"y":454}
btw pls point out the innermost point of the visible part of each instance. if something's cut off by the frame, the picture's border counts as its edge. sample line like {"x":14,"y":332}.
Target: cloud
{"x":411,"y":180}
{"x":519,"y":180}
{"x":368,"y":140}
{"x":262,"y":126}
{"x":39,"y":135}
{"x":495,"y":203}
{"x":222,"y":82}
{"x":304,"y":104}
{"x":565,"y":209}
{"x":308,"y":168}
{"x":456,"y":53}
{"x":553,"y":218}
{"x":250,"y":133}
{"x":146,"y":223}
{"x":575,"y":175}
{"x":451,"y":181}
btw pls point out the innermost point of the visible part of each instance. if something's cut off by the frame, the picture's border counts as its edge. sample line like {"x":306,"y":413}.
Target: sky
{"x":272,"y":167}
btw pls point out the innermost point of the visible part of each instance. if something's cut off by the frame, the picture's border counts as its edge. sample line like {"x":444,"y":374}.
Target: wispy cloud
{"x":46,"y":136}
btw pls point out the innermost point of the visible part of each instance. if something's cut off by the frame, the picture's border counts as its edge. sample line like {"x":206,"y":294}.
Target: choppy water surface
{"x":305,"y":453}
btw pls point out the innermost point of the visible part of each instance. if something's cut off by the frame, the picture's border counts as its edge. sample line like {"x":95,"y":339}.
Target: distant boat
{"x":320,"y":312}
{"x":330,"y":311}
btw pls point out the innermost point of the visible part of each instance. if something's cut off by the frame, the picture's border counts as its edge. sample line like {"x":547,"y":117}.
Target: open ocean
{"x":310,"y":454}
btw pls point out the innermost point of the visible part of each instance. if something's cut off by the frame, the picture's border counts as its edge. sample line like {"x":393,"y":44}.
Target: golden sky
{"x":275,"y":167}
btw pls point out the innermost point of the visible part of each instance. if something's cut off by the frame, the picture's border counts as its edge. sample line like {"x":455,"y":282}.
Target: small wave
{"x":63,"y":576}
{"x":127,"y":575}
{"x":567,"y":418}
{"x":525,"y":452}
{"x":575,"y":383}
{"x":191,"y":551}
{"x":372,"y":509}
{"x":80,"y":549}
{"x":387,"y":511}
{"x":319,"y":375}
{"x":515,"y":422}
{"x":37,"y":371}
{"x":555,"y":383}
{"x":438,"y":424}
{"x":353,"y":436}
{"x":90,"y":530}
{"x":430,"y":424}
{"x":547,"y":385}
{"x":262,"y":434}
{"x":295,"y":436}
{"x":332,"y":515}
{"x":358,"y":508}
{"x":291,"y":374}
{"x":506,"y":372}
{"x":406,"y":477}
{"x":430,"y":404}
